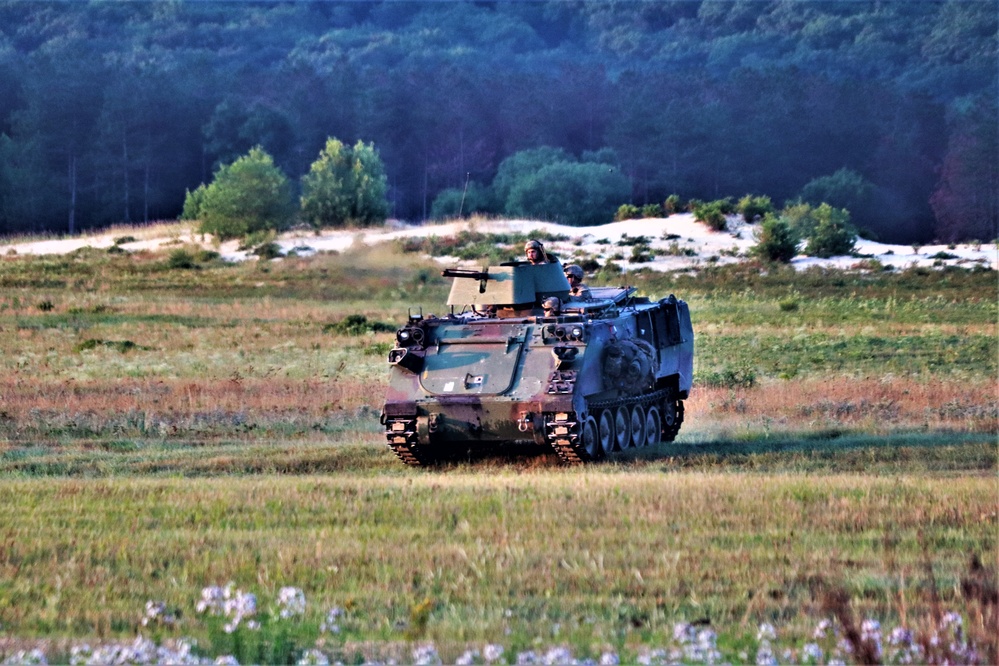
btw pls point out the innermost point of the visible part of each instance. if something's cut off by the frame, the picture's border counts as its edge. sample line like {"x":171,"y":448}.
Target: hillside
{"x":676,"y":243}
{"x":109,"y":112}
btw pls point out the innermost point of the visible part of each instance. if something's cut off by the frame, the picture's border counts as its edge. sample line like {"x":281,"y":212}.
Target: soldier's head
{"x":574,"y":274}
{"x":534,"y":251}
{"x":552,"y":306}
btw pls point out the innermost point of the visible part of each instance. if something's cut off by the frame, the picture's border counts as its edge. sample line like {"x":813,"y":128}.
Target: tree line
{"x":111,"y":112}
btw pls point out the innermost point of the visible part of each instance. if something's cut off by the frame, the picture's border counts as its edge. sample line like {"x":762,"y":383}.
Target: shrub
{"x":826,"y":230}
{"x":358,"y":324}
{"x":652,"y":210}
{"x":627,"y":212}
{"x":462,"y":202}
{"x":181,"y":259}
{"x":672,"y":204}
{"x":247,"y":196}
{"x":345,"y":185}
{"x":640,"y":254}
{"x":741,"y":377}
{"x":751,"y":207}
{"x":776,"y":240}
{"x":713,"y":213}
{"x":267,"y":251}
{"x":843,"y":189}
{"x":579,"y":194}
{"x":192,"y":203}
{"x":833,"y":235}
{"x":626,"y":240}
{"x":521,"y":165}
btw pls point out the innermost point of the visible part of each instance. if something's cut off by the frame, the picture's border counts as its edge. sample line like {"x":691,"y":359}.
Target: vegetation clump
{"x":753,"y":208}
{"x":776,"y":239}
{"x":345,"y":186}
{"x":248,"y":196}
{"x":714,"y":213}
{"x":358,"y":324}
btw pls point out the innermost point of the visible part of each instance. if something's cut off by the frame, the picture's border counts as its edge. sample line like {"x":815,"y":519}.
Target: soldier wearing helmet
{"x":552,"y":306}
{"x":577,"y":290}
{"x":535,"y":252}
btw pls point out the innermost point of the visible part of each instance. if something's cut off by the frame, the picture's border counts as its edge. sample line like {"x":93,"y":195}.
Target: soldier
{"x":577,"y":290}
{"x":535,"y":252}
{"x":552,"y":306}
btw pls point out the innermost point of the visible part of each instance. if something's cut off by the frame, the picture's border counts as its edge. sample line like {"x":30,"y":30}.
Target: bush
{"x":672,"y":204}
{"x":181,"y":259}
{"x":713,"y":213}
{"x":247,"y":196}
{"x":776,"y":240}
{"x":267,"y":251}
{"x":345,"y":185}
{"x":358,"y":324}
{"x":523,"y":164}
{"x":192,"y":203}
{"x":826,"y":230}
{"x":640,"y":254}
{"x":844,"y":189}
{"x":751,"y":207}
{"x":652,"y":210}
{"x":578,"y":194}
{"x":458,"y":201}
{"x":832,"y":235}
{"x":627,"y":212}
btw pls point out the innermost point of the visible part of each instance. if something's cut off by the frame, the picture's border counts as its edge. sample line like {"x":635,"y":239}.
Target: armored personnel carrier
{"x":502,"y":371}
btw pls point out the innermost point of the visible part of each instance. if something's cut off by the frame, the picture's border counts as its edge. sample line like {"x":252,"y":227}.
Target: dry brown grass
{"x":867,"y":404}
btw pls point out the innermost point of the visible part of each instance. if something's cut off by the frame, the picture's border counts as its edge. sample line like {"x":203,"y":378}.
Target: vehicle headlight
{"x":577,"y":333}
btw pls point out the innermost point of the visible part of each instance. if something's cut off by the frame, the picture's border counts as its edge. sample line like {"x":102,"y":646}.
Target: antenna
{"x":461,"y":208}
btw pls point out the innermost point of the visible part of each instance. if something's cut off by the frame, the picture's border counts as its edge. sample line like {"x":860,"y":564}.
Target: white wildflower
{"x":331,"y":624}
{"x":226,"y":660}
{"x":467,"y":658}
{"x":822,"y":629}
{"x":426,"y":655}
{"x":156,"y":614}
{"x":609,"y":659}
{"x":900,"y":636}
{"x":212,"y":600}
{"x":313,"y":658}
{"x":26,"y":658}
{"x":654,"y":657}
{"x":765,"y":655}
{"x":557,"y":656}
{"x":291,"y":601}
{"x":766,"y":632}
{"x":812,"y":652}
{"x":80,"y":654}
{"x":528,"y":657}
{"x":870,"y":632}
{"x":492,"y":653}
{"x":682,"y":632}
{"x":950,"y":619}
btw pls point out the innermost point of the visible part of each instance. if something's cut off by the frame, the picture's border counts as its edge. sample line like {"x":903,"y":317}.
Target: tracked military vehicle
{"x":500,"y":371}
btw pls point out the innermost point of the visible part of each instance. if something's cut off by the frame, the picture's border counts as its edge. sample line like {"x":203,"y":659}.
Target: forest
{"x":110,"y":111}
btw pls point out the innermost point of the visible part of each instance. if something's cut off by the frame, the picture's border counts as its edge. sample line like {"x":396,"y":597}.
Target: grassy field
{"x":166,"y":429}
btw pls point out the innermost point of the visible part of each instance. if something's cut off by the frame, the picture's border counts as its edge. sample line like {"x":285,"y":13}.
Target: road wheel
{"x":605,"y":431}
{"x":638,"y":426}
{"x":622,"y":428}
{"x":672,"y":418}
{"x":591,"y":439}
{"x":653,"y":426}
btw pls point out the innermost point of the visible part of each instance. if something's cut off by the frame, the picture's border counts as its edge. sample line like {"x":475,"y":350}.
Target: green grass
{"x":162,"y":430}
{"x":609,"y":556}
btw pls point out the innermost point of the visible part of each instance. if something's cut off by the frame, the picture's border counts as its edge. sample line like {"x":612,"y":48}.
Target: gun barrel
{"x":465,"y":273}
